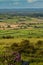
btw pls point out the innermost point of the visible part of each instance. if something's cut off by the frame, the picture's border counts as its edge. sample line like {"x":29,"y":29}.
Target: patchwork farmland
{"x":21,"y":34}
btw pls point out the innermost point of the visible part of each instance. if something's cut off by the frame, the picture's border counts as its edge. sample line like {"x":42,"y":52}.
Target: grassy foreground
{"x":31,"y":49}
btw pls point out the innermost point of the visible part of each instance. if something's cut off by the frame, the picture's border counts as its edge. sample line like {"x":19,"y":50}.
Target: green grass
{"x":40,"y":63}
{"x":27,"y":33}
{"x":31,"y":34}
{"x":6,"y":43}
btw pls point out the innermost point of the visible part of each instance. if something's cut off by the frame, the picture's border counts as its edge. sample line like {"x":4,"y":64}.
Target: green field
{"x":26,"y":39}
{"x":27,"y":33}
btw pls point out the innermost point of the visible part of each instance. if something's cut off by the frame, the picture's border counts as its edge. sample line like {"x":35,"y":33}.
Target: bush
{"x":25,"y":46}
{"x":14,"y":47}
{"x":8,"y":26}
{"x":39,"y":43}
{"x":8,"y":37}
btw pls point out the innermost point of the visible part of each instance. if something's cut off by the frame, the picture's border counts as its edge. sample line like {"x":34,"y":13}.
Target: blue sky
{"x":21,"y":4}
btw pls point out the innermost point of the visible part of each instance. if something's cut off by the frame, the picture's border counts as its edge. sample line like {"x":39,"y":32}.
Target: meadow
{"x":26,"y":38}
{"x":27,"y":33}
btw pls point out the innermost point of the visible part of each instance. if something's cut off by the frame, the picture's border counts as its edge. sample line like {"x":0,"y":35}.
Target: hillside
{"x":21,"y":34}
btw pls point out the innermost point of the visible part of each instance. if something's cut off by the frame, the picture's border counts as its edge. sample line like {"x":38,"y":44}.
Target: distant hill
{"x":21,"y":10}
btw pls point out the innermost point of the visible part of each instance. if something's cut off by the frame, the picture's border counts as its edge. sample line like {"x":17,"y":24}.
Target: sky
{"x":21,"y":4}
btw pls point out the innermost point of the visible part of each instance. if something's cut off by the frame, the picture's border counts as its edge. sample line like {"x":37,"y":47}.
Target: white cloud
{"x":30,"y":1}
{"x":16,"y":3}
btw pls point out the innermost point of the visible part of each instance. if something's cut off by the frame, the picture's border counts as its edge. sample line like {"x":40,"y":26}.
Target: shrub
{"x":7,"y":37}
{"x":8,"y":26}
{"x":14,"y":47}
{"x":39,"y":43}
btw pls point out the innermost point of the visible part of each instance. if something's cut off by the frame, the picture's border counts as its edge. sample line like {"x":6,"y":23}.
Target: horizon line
{"x":23,"y":8}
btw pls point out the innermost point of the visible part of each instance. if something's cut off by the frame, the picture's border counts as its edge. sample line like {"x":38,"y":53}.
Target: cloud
{"x":31,"y":1}
{"x":15,"y":2}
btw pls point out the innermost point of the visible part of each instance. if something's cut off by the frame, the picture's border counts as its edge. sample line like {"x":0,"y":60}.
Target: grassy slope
{"x":20,"y":35}
{"x":8,"y":42}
